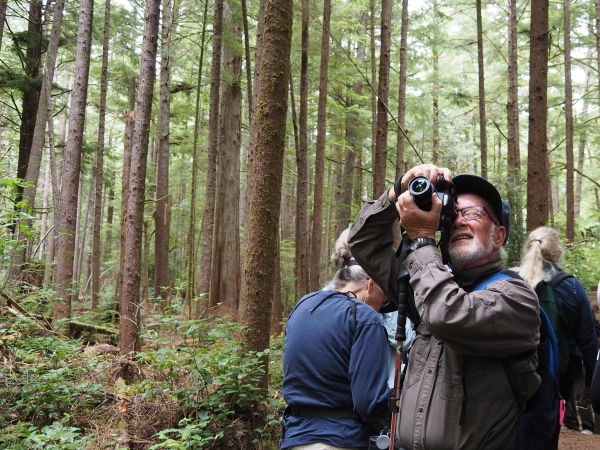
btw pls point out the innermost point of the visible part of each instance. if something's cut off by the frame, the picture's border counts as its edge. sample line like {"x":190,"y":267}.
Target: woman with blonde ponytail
{"x":543,"y":250}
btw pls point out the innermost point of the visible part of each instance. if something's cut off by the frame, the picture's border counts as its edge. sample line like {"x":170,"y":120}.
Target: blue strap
{"x":496,"y":277}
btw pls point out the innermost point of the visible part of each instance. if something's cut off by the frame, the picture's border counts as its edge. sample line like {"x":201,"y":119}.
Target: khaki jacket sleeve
{"x":498,"y":321}
{"x":371,"y":242}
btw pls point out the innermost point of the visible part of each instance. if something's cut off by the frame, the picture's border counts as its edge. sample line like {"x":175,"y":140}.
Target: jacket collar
{"x":469,"y":278}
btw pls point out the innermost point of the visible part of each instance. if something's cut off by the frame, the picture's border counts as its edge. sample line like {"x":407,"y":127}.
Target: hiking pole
{"x":403,"y":303}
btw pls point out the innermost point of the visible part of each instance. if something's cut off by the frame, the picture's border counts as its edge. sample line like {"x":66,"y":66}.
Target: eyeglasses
{"x":475,"y":212}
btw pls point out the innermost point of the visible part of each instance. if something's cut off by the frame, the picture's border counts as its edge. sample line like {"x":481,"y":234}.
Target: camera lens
{"x":420,"y":185}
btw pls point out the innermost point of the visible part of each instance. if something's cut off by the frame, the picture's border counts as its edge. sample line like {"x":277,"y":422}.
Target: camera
{"x":421,"y":190}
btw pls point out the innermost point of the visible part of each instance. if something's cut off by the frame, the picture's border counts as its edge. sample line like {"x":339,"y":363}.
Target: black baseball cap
{"x":473,"y":184}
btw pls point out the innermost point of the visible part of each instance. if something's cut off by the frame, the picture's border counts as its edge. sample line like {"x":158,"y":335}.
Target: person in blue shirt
{"x":341,"y":253}
{"x":335,"y":365}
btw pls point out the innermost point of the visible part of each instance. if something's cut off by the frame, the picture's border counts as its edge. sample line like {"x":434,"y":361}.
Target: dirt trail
{"x":574,"y":440}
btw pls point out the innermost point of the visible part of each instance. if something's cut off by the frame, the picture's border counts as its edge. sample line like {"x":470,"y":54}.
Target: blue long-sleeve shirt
{"x":334,"y":356}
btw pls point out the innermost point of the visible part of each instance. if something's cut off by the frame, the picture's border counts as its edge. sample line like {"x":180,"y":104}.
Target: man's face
{"x":474,"y":242}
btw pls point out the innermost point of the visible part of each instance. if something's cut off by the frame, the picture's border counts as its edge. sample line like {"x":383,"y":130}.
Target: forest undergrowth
{"x":193,"y":386}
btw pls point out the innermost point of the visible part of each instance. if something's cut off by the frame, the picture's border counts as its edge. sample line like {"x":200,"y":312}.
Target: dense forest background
{"x":169,"y":165}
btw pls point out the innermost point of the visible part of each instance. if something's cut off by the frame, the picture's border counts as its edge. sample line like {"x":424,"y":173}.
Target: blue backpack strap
{"x":502,"y":275}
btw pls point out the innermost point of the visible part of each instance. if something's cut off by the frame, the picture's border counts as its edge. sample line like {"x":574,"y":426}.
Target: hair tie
{"x":350,"y":262}
{"x":539,"y":240}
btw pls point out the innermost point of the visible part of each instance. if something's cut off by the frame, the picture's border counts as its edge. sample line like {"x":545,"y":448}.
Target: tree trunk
{"x":225,"y":276}
{"x":96,"y":249}
{"x":537,"y":165}
{"x":373,"y":59}
{"x":436,"y":88}
{"x":569,"y":124}
{"x":213,"y":137}
{"x":66,"y":220}
{"x":191,"y":250}
{"x":380,"y":157}
{"x":582,"y":139}
{"x":317,"y":230}
{"x":32,"y":91}
{"x":517,"y":236}
{"x":41,"y":118}
{"x":162,"y":215}
{"x":400,"y":160}
{"x":2,"y":17}
{"x":130,"y":295}
{"x":302,"y":229}
{"x":482,"y":119}
{"x":265,"y":194}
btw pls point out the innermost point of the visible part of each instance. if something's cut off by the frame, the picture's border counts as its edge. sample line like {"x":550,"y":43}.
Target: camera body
{"x":421,"y":190}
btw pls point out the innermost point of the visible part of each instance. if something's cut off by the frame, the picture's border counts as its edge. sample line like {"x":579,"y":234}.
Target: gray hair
{"x":341,"y":251}
{"x":348,"y":274}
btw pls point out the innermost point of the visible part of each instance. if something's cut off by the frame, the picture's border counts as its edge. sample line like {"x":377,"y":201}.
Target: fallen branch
{"x":12,"y":303}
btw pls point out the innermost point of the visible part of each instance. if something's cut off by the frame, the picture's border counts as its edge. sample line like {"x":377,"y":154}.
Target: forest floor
{"x":573,"y":440}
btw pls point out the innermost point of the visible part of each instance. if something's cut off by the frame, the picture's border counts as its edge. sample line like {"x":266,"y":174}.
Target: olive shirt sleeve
{"x":371,"y":242}
{"x":500,"y":320}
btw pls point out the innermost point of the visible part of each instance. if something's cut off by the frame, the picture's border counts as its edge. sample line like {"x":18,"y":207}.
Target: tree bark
{"x":96,"y":248}
{"x":191,"y":250}
{"x":225,"y":274}
{"x":380,"y":157}
{"x":400,"y":160}
{"x":317,"y":219}
{"x":213,"y":138}
{"x":265,"y":194}
{"x":2,"y":18}
{"x":569,"y":124}
{"x":482,"y":118}
{"x":66,"y":220}
{"x":31,"y":92}
{"x":537,"y":164}
{"x":162,"y":215}
{"x":302,"y":229}
{"x":43,"y":112}
{"x":130,"y":295}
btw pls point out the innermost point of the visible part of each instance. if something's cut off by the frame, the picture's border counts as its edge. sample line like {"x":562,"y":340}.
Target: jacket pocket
{"x":417,"y":358}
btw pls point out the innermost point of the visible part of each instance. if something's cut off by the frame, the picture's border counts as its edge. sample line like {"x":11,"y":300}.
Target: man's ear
{"x":500,"y":236}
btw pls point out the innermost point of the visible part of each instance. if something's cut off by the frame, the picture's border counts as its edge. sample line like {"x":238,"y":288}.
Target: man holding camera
{"x":456,"y":393}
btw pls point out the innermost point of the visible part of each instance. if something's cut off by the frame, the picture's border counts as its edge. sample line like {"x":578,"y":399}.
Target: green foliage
{"x":581,"y":258}
{"x":211,"y":377}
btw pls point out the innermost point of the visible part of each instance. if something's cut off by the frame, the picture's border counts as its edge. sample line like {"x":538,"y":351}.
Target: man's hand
{"x":424,"y":170}
{"x":415,"y":221}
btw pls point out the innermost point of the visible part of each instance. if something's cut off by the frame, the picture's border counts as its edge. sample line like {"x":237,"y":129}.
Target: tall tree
{"x":41,"y":119}
{"x":514,"y":153}
{"x":537,"y":164}
{"x":400,"y":159}
{"x":569,"y":124}
{"x":302,"y":248}
{"x":130,"y":296}
{"x":482,"y":119}
{"x":31,"y":88}
{"x":317,"y":218}
{"x":213,"y":138}
{"x":96,"y":250}
{"x":66,"y":219}
{"x":435,"y":57}
{"x":191,"y":250}
{"x":2,"y":18}
{"x":225,"y":276}
{"x":162,"y":215}
{"x":380,"y":156}
{"x":265,"y":194}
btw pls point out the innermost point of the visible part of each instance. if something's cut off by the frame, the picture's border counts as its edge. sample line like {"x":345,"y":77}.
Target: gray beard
{"x":475,"y":250}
